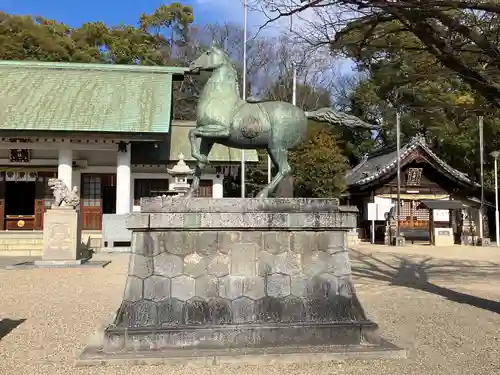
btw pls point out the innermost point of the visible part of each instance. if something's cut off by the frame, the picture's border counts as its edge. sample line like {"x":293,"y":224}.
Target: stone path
{"x":439,"y":304}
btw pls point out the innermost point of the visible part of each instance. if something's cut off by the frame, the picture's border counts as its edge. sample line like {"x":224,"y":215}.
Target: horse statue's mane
{"x":230,"y":65}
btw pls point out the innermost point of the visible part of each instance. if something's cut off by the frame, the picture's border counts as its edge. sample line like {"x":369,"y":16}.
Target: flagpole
{"x":244,"y":90}
{"x":294,"y":101}
{"x":398,"y":163}
{"x":294,"y":69}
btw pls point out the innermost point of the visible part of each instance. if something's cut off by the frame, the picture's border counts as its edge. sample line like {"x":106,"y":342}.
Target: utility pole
{"x":496,"y":155}
{"x":398,"y":157}
{"x":481,"y":161}
{"x":244,"y":90}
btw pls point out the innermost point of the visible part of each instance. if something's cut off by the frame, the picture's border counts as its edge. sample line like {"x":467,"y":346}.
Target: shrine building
{"x":436,"y":200}
{"x":107,"y":129}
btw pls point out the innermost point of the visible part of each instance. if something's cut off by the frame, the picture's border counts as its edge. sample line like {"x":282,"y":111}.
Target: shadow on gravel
{"x":8,"y":325}
{"x":417,"y":274}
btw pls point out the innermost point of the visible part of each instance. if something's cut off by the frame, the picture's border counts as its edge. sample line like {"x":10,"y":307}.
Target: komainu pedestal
{"x":239,"y":279}
{"x":61,"y":237}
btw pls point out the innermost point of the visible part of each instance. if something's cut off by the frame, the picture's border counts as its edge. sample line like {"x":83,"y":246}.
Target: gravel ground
{"x":443,"y":310}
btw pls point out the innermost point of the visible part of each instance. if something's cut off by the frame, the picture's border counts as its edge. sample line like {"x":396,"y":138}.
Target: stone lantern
{"x":180,"y":172}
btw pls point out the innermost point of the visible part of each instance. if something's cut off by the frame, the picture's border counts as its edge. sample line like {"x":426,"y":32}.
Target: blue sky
{"x":114,"y":12}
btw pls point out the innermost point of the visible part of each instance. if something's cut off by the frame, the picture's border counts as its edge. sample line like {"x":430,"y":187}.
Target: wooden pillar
{"x":431,"y":227}
{"x":2,"y":200}
{"x":39,"y":202}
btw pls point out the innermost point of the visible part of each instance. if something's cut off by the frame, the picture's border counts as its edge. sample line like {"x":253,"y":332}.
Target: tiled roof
{"x":85,"y":97}
{"x":378,"y":164}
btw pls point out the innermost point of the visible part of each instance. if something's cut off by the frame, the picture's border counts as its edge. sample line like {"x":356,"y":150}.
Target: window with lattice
{"x":414,"y":176}
{"x":413,"y":214}
{"x":91,"y":191}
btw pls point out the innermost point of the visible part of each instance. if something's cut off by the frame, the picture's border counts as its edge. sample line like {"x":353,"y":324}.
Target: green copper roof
{"x":85,"y":97}
{"x":179,"y":143}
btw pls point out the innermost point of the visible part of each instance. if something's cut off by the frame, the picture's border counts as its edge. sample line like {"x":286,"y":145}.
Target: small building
{"x":107,"y":129}
{"x":425,"y":178}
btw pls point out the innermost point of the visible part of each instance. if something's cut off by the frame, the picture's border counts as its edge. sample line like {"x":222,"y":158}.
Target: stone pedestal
{"x":444,"y":237}
{"x":61,"y":237}
{"x":219,"y":279}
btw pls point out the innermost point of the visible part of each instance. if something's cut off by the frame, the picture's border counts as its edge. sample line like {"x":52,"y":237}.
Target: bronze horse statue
{"x":223,"y":117}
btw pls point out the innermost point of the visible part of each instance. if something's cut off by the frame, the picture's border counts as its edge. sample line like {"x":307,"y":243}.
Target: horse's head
{"x":212,"y":59}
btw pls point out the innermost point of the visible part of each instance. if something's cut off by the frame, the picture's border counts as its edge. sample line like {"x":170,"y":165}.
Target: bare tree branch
{"x":446,"y":28}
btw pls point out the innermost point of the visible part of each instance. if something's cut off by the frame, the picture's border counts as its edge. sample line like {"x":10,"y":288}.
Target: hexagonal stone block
{"x":231,"y":287}
{"x":278,"y":285}
{"x":254,"y":287}
{"x":141,"y":266}
{"x":170,"y":312}
{"x":178,"y":243}
{"x":339,"y":263}
{"x":205,"y":243}
{"x":299,"y":285}
{"x":276,"y":242}
{"x":244,"y":259}
{"x":252,"y":236}
{"x":315,"y":263}
{"x":183,"y":287}
{"x":196,"y":311}
{"x":156,"y":288}
{"x":138,"y":314}
{"x":302,"y":242}
{"x":244,"y":310}
{"x":159,"y":241}
{"x":322,"y":240}
{"x":323,"y":285}
{"x":292,"y":310}
{"x":337,"y":241}
{"x":220,"y":311}
{"x":195,"y":265}
{"x":269,"y":310}
{"x":143,"y":244}
{"x":227,"y":240}
{"x":133,"y":289}
{"x":218,"y":265}
{"x":288,"y":263}
{"x":265,"y":263}
{"x":346,"y":289}
{"x":206,"y":286}
{"x":168,"y":265}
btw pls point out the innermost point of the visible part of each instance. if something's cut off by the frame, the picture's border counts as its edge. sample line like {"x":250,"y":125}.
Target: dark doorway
{"x":109,"y":199}
{"x":20,"y":198}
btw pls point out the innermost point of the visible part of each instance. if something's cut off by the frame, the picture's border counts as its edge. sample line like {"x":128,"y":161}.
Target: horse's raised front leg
{"x":204,"y":149}
{"x":279,"y":157}
{"x":212,"y":132}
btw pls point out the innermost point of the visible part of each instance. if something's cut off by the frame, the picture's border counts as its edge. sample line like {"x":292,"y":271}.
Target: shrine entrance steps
{"x":30,"y":243}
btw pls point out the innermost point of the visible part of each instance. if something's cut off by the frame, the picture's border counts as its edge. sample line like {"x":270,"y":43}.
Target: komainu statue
{"x":63,"y":197}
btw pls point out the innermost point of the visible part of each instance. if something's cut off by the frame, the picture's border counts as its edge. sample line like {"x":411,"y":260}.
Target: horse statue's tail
{"x":338,"y":118}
